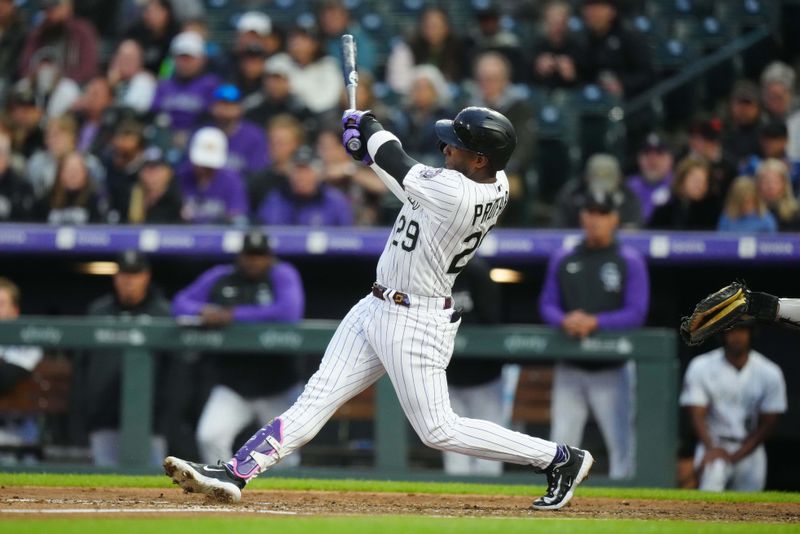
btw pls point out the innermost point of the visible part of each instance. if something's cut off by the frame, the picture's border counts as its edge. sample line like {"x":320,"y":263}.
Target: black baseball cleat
{"x":216,"y":481}
{"x":563,"y":478}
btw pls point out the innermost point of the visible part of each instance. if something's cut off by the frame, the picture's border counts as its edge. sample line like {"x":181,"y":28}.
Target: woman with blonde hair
{"x":744,"y":210}
{"x":73,"y":199}
{"x":774,"y":187}
{"x":692,"y":205}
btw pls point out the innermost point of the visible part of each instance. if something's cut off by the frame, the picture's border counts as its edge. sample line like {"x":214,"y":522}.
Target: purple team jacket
{"x":287,"y":287}
{"x":224,"y":200}
{"x":636,"y":293}
{"x":247,"y":149}
{"x":329,"y":208}
{"x":185,"y":101}
{"x":651,"y":195}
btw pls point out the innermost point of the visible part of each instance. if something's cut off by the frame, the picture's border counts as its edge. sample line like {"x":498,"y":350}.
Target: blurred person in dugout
{"x":600,"y":284}
{"x":248,"y":388}
{"x":133,"y":296}
{"x":478,"y":387}
{"x":16,"y":364}
{"x":734,"y":396}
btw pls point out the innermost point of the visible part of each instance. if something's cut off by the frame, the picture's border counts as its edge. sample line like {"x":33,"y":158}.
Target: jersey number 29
{"x":409,"y":242}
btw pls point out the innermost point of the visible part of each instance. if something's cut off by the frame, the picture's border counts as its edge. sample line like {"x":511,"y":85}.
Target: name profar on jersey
{"x":442,"y":223}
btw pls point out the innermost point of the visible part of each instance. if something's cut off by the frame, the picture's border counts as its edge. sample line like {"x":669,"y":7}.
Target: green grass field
{"x":538,"y":522}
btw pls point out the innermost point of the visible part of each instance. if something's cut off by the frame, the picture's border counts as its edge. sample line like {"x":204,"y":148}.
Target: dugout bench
{"x":653,"y":350}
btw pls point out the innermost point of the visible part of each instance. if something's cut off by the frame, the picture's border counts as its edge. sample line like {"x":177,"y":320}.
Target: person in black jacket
{"x":16,"y":365}
{"x":154,"y":32}
{"x":133,"y":296}
{"x":16,"y":194}
{"x":557,"y":52}
{"x":598,"y":285}
{"x":617,"y":57}
{"x":12,"y":38}
{"x":155,"y":198}
{"x":692,"y":205}
{"x":122,"y":161}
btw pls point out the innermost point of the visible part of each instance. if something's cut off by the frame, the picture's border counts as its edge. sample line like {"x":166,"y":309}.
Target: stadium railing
{"x":514,"y":245}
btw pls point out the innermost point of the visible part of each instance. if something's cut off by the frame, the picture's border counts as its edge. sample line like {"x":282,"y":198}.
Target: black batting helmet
{"x":480,"y":130}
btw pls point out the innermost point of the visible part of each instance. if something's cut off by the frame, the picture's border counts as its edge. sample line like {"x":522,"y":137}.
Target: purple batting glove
{"x":349,"y":139}
{"x":351,"y":118}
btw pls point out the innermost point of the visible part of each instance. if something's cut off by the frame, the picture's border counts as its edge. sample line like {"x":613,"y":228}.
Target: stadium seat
{"x":672,"y":55}
{"x":372,"y":22}
{"x":413,"y":5}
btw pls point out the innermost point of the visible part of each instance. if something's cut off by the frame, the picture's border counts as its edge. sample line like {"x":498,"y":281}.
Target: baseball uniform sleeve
{"x":775,"y":392}
{"x":190,"y":301}
{"x":637,"y":295}
{"x":289,"y":299}
{"x":694,"y":392}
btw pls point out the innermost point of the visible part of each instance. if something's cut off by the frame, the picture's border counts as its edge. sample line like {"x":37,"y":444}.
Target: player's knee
{"x":436,"y":436}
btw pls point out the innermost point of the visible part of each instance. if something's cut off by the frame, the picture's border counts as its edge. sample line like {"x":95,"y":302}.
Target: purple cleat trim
{"x":243,"y":464}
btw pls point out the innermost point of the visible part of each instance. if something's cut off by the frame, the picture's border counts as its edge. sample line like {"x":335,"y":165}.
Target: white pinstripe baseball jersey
{"x":443,"y":221}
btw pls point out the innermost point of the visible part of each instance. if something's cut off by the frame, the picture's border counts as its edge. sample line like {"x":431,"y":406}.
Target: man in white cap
{"x":212,"y":194}
{"x":190,"y":92}
{"x":252,"y":28}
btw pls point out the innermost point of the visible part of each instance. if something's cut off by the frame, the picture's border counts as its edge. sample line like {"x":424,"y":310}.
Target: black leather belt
{"x":400,"y":298}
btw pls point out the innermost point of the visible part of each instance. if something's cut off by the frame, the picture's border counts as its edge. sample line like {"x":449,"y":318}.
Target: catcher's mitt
{"x":724,"y":309}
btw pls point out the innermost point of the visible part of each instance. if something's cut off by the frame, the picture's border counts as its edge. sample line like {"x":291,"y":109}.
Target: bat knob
{"x":354,"y":145}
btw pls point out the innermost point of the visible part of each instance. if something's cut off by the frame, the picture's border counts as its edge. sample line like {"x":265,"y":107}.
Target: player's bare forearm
{"x":698,"y":414}
{"x":766,"y":424}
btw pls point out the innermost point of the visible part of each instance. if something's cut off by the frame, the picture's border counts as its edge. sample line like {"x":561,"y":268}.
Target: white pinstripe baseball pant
{"x":413,"y":345}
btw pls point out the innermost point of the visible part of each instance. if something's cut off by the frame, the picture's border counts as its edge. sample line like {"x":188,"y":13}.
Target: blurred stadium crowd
{"x":227,"y":112}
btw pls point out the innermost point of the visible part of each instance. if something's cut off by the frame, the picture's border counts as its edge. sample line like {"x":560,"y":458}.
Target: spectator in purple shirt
{"x":190,"y":92}
{"x":599,"y":285}
{"x":306,"y":200}
{"x":247,"y":143}
{"x":212,"y":194}
{"x":652,"y":184}
{"x":250,"y":387}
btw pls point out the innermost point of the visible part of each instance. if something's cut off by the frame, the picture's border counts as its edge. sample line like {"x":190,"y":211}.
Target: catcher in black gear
{"x":735,"y":304}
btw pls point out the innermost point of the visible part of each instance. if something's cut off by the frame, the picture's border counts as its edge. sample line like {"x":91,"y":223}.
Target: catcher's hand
{"x":724,"y":309}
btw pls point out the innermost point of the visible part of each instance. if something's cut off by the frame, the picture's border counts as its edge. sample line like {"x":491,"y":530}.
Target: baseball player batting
{"x":406,"y":324}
